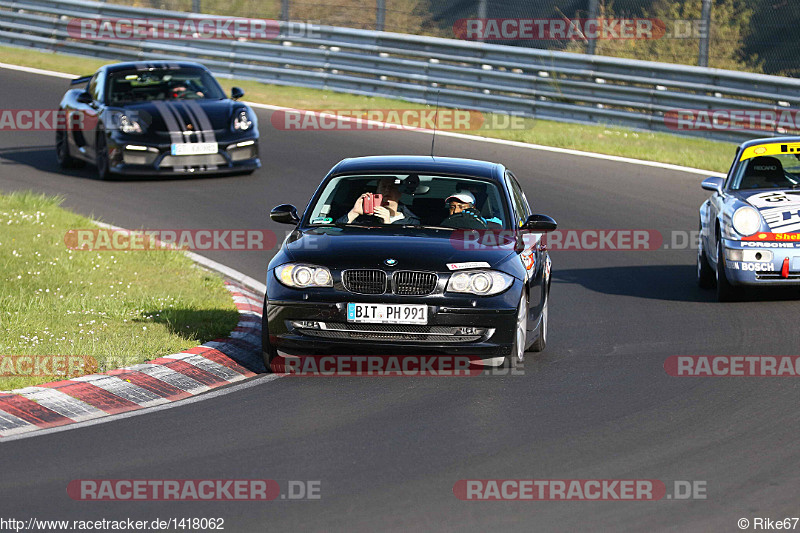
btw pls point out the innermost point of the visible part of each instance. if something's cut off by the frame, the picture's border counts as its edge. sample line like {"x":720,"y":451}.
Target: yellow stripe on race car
{"x":770,"y":149}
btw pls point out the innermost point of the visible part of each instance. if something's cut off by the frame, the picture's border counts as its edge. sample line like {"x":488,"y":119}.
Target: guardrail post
{"x":285,"y":10}
{"x":702,"y":60}
{"x":591,"y":46}
{"x":380,"y":15}
{"x":196,"y":6}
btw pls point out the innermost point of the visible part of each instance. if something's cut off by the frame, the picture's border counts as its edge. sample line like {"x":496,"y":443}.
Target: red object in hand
{"x":370,"y":201}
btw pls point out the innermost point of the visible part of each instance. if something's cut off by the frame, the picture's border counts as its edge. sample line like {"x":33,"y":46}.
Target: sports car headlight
{"x":241,"y":120}
{"x":746,"y":221}
{"x":480,"y":282}
{"x":300,"y":276}
{"x":128,"y":125}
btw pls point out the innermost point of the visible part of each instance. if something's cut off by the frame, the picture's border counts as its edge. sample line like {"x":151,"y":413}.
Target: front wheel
{"x":705,"y":274}
{"x":517,"y":355}
{"x":101,"y":149}
{"x":725,"y":291}
{"x":541,"y":331}
{"x":65,"y":160}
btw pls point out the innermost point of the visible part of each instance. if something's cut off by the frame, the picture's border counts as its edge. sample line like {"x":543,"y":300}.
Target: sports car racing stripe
{"x":205,"y":127}
{"x":94,"y":396}
{"x":61,"y":403}
{"x":175,"y":135}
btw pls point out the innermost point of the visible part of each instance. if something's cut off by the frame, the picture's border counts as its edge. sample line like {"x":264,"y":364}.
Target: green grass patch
{"x":117,"y":308}
{"x":603,"y":139}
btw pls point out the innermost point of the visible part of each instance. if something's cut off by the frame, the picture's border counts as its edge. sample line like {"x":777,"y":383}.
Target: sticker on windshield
{"x":770,"y":149}
{"x":321,"y":220}
{"x":472,"y":264}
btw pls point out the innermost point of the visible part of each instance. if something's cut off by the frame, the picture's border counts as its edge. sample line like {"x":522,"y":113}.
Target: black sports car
{"x":157,"y":118}
{"x":395,"y":253}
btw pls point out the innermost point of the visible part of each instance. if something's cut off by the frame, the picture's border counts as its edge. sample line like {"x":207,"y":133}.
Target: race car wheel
{"x":725,"y":291}
{"x":101,"y":148}
{"x":62,"y":152}
{"x":705,"y":274}
{"x":268,"y":351}
{"x":541,"y":331}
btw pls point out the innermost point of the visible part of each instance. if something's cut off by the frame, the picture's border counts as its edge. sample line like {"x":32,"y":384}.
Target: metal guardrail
{"x":490,"y":78}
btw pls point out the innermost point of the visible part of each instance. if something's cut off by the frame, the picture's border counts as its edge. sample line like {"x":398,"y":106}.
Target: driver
{"x":391,"y":211}
{"x":180,"y":89}
{"x":463,"y":214}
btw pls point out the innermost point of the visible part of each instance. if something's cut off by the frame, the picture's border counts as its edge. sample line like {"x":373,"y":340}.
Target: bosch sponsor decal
{"x":752,"y":267}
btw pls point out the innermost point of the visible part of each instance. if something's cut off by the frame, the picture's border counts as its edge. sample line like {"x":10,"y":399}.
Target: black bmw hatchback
{"x":402,"y":253}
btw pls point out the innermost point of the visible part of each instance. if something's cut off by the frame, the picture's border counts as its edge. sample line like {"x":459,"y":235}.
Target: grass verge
{"x":111,"y":308}
{"x":610,"y":140}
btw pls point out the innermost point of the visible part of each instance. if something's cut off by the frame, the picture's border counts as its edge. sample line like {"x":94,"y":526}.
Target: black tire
{"x":101,"y":156}
{"x":706,"y":279}
{"x":725,"y":291}
{"x":65,"y":160}
{"x":541,"y":330}
{"x":516,"y":358}
{"x":268,"y":351}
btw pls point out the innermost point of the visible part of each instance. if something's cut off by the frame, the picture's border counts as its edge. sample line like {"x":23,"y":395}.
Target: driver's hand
{"x":358,"y":208}
{"x":383,"y":213}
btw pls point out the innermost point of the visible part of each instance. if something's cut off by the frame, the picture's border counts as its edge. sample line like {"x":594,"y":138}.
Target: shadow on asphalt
{"x":659,"y":282}
{"x":43,"y":159}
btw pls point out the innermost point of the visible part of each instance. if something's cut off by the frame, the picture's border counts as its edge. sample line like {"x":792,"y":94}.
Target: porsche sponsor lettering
{"x":753,"y":244}
{"x":752,"y":267}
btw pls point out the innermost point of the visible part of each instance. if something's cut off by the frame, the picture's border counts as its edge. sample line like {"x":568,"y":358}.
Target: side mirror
{"x":285,"y":214}
{"x":85,"y":98}
{"x":236,"y":93}
{"x":540,"y":223}
{"x":713,"y":184}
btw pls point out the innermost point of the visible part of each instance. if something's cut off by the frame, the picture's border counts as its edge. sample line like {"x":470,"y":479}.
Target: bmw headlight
{"x":128,"y":125}
{"x":480,"y":282}
{"x":241,"y":120}
{"x":746,"y":221}
{"x":300,"y":276}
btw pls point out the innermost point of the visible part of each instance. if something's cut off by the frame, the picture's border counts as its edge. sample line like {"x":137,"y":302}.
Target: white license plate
{"x":387,"y":313}
{"x":194,"y":148}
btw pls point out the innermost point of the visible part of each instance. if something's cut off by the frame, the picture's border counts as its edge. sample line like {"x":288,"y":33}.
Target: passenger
{"x":391,"y":211}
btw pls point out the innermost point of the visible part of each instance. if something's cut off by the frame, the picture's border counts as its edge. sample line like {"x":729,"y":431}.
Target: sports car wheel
{"x":725,"y":291}
{"x":541,"y":340}
{"x":705,"y":274}
{"x":102,"y":156}
{"x":62,"y":152}
{"x":268,"y":351}
{"x":520,"y":334}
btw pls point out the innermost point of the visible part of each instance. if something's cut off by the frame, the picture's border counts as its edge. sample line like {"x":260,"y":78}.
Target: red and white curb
{"x":163,"y":380}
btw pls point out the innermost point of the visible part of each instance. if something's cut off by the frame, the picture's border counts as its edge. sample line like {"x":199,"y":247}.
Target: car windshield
{"x":410,"y":200}
{"x":162,"y":84}
{"x":779,"y":171}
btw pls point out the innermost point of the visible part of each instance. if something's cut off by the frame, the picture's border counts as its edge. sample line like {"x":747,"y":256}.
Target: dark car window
{"x":423,"y":196}
{"x":95,"y":87}
{"x":780,"y":171}
{"x":521,"y":207}
{"x":128,"y":86}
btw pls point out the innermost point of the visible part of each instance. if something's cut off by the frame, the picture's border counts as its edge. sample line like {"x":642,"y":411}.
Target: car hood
{"x":182,"y":115}
{"x":779,"y":208}
{"x":411,"y":249}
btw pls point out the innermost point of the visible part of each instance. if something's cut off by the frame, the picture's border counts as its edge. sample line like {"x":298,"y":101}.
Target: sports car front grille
{"x":192,"y":160}
{"x":776,"y":275}
{"x":364,"y":281}
{"x":396,"y":332}
{"x":410,"y":283}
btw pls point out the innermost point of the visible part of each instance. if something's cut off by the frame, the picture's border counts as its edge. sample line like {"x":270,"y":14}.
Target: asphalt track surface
{"x":597,"y":404}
